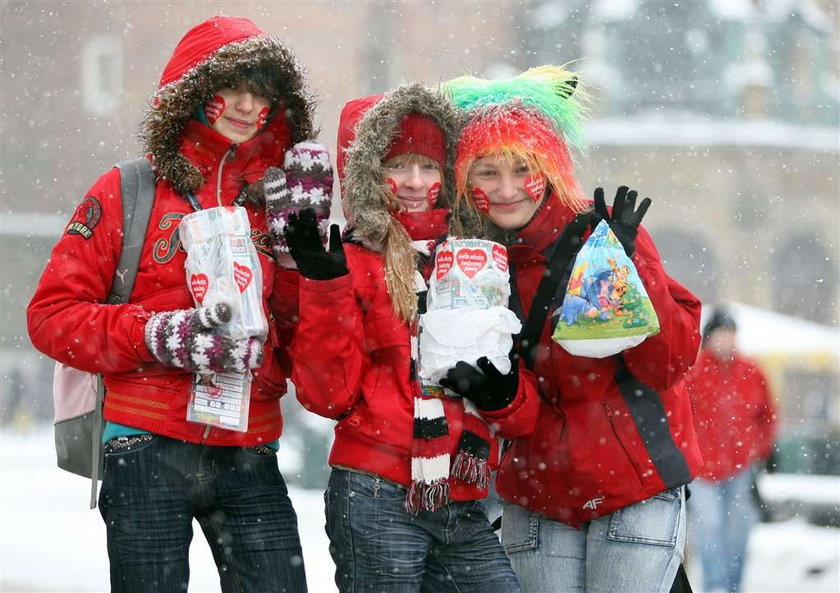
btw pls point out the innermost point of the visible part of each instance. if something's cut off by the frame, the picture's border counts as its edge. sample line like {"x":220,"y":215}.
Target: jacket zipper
{"x":228,"y":156}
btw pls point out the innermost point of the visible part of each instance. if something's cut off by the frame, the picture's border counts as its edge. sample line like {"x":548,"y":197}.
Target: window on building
{"x":101,"y":70}
{"x":804,"y":278}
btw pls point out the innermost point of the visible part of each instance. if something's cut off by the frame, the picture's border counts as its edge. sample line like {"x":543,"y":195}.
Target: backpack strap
{"x":137,"y":191}
{"x":559,"y":255}
{"x":137,"y":186}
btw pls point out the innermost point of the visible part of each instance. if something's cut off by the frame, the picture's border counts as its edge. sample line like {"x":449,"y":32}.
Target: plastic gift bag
{"x":467,"y":315}
{"x":223,"y":266}
{"x":606,"y":308}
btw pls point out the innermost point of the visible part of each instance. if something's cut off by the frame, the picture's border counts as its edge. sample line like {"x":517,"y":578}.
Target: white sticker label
{"x":221,"y":400}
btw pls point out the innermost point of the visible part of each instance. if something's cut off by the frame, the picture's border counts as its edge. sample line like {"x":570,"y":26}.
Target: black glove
{"x":487,"y":388}
{"x":305,"y":245}
{"x":625,"y":219}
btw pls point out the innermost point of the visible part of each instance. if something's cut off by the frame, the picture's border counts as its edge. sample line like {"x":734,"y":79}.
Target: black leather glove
{"x":485,"y":386}
{"x":625,"y":219}
{"x":305,"y":245}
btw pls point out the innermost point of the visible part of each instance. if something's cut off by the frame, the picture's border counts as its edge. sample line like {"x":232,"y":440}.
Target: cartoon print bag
{"x":606,"y":308}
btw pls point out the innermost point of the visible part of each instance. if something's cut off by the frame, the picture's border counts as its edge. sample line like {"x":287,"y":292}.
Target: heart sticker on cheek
{"x":432,"y":195}
{"x":214,"y":109}
{"x":480,"y":199}
{"x":392,"y":185}
{"x":262,"y":117}
{"x":535,"y":186}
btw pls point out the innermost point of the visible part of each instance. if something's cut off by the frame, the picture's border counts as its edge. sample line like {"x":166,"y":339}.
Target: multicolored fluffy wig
{"x":534,"y":116}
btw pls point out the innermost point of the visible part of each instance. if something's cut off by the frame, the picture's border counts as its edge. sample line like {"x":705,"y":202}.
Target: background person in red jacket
{"x":735,"y":421}
{"x":231,"y":101}
{"x":403,"y":515}
{"x":596,"y":491}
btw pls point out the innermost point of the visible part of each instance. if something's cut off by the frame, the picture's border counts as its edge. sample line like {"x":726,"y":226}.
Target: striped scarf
{"x":431,"y":466}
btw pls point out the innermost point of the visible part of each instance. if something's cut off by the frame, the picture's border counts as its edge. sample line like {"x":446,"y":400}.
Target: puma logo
{"x":122,"y":275}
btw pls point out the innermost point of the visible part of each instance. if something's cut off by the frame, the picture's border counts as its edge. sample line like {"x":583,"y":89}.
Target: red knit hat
{"x":419,"y":134}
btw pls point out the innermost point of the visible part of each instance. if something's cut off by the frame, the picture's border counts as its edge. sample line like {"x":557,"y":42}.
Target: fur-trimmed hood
{"x":210,"y":54}
{"x":366,"y":129}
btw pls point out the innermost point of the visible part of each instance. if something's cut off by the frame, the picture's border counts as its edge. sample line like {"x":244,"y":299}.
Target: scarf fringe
{"x":427,"y":497}
{"x":471,"y":469}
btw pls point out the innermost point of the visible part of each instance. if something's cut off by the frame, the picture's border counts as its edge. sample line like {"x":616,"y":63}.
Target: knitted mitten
{"x":305,"y":181}
{"x":185,"y":339}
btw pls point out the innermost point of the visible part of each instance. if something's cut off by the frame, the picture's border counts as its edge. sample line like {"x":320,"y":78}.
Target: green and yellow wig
{"x":534,"y":117}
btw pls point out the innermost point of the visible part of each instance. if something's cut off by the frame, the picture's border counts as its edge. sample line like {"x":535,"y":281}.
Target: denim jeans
{"x":154,"y":486}
{"x":379,"y":547}
{"x":637,"y":549}
{"x":720,"y":516}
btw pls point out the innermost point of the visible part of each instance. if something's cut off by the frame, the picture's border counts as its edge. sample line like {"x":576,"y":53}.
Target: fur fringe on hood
{"x":175,"y":103}
{"x":368,"y":202}
{"x":366,"y":197}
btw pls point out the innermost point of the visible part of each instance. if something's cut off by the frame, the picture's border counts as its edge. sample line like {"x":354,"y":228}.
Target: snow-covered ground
{"x":50,"y":541}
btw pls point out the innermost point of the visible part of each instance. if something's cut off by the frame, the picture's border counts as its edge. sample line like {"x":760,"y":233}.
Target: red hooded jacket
{"x":67,"y":317}
{"x":611,"y":431}
{"x":733,"y":414}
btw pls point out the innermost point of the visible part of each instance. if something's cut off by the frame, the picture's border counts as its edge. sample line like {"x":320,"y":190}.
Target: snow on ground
{"x":51,"y":541}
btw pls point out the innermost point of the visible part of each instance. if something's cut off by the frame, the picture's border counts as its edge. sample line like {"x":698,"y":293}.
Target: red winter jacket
{"x":614,"y":431}
{"x":67,"y":317}
{"x":352,"y":363}
{"x":733,"y":414}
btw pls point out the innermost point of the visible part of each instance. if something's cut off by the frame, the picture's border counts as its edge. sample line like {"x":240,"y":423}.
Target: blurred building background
{"x":724,"y":112}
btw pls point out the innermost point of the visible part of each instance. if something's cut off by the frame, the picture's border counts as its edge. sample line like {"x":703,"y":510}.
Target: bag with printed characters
{"x":606,"y":308}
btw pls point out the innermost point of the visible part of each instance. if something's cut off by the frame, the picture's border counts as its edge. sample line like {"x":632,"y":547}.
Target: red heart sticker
{"x":432,"y":195}
{"x":242,"y":275}
{"x":443,"y":263}
{"x":480,"y":199}
{"x":262,"y":117}
{"x":471,"y":261}
{"x":392,"y":186}
{"x":214,"y":109}
{"x":500,"y":257}
{"x":198,"y":286}
{"x":535,"y":186}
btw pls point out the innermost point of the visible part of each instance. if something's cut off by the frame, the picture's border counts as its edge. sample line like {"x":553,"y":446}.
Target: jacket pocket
{"x":623,"y":439}
{"x":654,"y":521}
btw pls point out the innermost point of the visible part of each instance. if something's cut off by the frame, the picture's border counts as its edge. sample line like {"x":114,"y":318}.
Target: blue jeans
{"x":154,"y":486}
{"x":637,"y":549}
{"x":721,"y":515}
{"x":379,"y":547}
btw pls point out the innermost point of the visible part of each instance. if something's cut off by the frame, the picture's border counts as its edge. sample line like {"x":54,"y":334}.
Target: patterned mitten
{"x":305,"y":181}
{"x":185,"y":339}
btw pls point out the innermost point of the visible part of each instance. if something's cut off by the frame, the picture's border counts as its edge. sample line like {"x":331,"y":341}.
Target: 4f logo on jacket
{"x":593,"y":504}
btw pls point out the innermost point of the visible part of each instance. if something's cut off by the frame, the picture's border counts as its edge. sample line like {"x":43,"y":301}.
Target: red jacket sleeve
{"x":67,"y":317}
{"x":284,"y":306}
{"x":661,"y":360}
{"x":520,"y":416}
{"x":328,"y":349}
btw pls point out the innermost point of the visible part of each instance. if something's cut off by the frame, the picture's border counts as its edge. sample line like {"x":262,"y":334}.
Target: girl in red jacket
{"x":410,"y":465}
{"x":596,"y":491}
{"x":231,"y":102}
